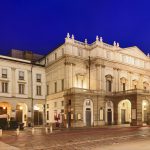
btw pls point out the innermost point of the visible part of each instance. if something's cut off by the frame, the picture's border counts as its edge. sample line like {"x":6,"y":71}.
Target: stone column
{"x":29,"y":84}
{"x":98,"y":76}
{"x":129,"y":81}
{"x":139,"y":111}
{"x":140,"y":82}
{"x":67,"y":74}
{"x":115,"y":113}
{"x":13,"y":82}
{"x":115,"y":80}
{"x":103,"y":80}
{"x":73,"y":75}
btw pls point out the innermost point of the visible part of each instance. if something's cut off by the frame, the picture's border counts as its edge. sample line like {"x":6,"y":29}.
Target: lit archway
{"x":5,"y":109}
{"x":21,"y":113}
{"x":124,"y":112}
{"x":38,"y":114}
{"x":145,"y":109}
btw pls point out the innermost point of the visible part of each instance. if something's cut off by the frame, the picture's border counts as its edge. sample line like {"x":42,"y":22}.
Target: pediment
{"x":135,"y":52}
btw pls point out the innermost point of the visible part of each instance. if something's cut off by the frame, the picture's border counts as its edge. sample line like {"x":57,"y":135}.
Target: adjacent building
{"x":22,"y":90}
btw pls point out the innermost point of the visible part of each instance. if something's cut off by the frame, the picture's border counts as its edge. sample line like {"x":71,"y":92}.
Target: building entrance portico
{"x":131,"y":107}
{"x":88,"y":112}
{"x":124,"y":112}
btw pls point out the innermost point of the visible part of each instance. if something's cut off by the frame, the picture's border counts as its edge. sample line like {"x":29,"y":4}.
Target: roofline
{"x":51,"y":51}
{"x":19,"y":60}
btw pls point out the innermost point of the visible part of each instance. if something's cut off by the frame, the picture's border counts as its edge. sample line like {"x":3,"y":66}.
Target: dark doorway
{"x":69,"y":119}
{"x":109,"y":117}
{"x":123,"y":116}
{"x":145,"y":116}
{"x":38,"y":117}
{"x":88,"y":117}
{"x":19,"y":115}
{"x":3,"y":110}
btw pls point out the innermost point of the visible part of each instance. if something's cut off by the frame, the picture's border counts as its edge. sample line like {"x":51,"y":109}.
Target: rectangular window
{"x":55,"y":56}
{"x":55,"y":87}
{"x":38,"y":90}
{"x":47,"y":89}
{"x":4,"y":73}
{"x":69,"y":102}
{"x":38,"y":77}
{"x":62,"y":103}
{"x":47,"y":105}
{"x":124,"y":86}
{"x":47,"y":115}
{"x":55,"y":104}
{"x":62,"y":84}
{"x":134,"y":86}
{"x":21,"y":88}
{"x":108,"y":85}
{"x":4,"y":87}
{"x":21,"y":75}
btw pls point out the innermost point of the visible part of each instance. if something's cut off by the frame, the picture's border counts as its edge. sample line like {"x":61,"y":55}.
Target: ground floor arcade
{"x":25,"y":111}
{"x":92,"y":109}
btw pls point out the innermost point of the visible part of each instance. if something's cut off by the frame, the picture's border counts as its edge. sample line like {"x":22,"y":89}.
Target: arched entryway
{"x":145,"y":109}
{"x":38,"y":114}
{"x":124,"y":112}
{"x":109,"y":111}
{"x":21,"y":113}
{"x":5,"y":108}
{"x":88,"y":112}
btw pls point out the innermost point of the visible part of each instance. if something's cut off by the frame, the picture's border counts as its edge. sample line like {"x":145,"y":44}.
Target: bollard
{"x":17,"y":131}
{"x":46,"y":130}
{"x":1,"y":132}
{"x":33,"y":131}
{"x":51,"y":129}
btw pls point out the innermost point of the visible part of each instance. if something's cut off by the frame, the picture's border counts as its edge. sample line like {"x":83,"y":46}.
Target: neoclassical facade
{"x":97,"y":84}
{"x":78,"y":84}
{"x":22,"y":90}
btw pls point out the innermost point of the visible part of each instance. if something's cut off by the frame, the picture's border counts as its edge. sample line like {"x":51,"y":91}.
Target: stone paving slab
{"x":4,"y":146}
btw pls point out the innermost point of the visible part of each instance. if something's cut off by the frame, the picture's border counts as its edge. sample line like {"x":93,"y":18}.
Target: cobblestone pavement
{"x":76,"y":139}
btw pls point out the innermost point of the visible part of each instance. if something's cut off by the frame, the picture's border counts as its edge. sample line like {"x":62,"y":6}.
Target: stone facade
{"x":18,"y":90}
{"x":97,"y":84}
{"x":78,"y":84}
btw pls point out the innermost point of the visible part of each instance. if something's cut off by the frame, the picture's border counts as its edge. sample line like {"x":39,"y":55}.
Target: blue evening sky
{"x":41,"y":25}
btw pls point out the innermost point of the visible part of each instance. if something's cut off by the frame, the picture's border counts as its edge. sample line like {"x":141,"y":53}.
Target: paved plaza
{"x":102,"y":138}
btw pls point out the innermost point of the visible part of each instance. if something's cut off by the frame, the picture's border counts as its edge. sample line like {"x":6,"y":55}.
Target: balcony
{"x":104,"y":93}
{"x":132,"y":91}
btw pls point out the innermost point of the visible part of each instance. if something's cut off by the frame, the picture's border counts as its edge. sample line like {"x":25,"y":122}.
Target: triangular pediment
{"x":135,"y":52}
